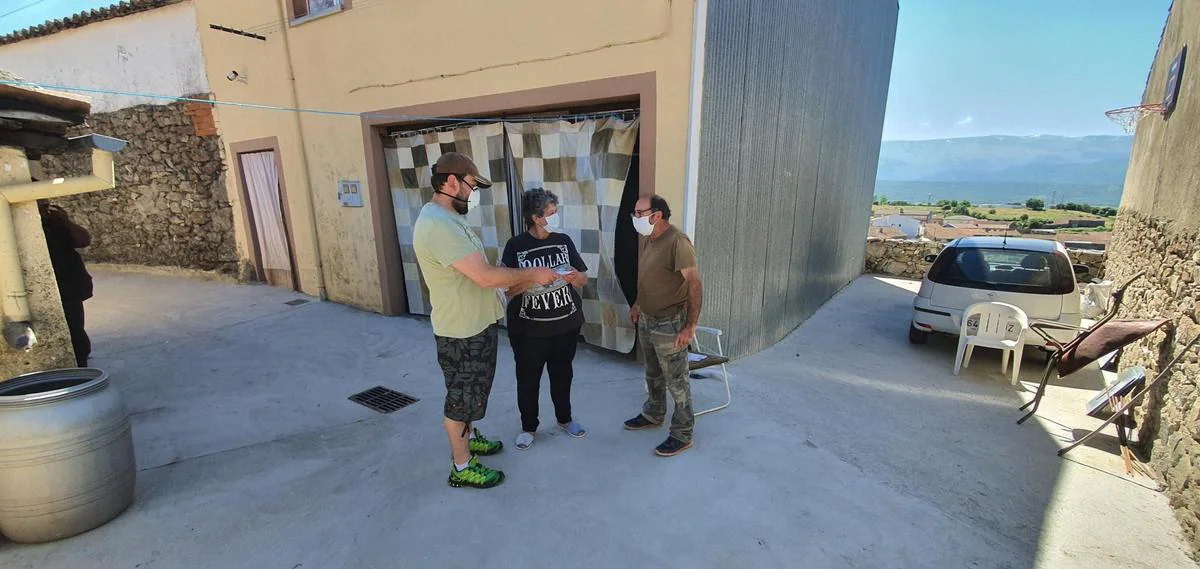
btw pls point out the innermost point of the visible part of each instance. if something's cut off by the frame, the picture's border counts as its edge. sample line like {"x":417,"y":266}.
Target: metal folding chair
{"x":703,"y":354}
{"x":1104,"y":337}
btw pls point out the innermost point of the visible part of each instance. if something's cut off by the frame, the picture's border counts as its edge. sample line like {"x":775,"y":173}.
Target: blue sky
{"x":976,"y":67}
{"x":41,"y":11}
{"x":967,"y":67}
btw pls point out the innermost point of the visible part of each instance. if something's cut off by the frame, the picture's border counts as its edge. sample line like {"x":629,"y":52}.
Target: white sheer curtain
{"x":262,"y":183}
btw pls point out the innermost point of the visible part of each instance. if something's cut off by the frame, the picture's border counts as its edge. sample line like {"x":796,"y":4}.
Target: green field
{"x":1004,"y":214}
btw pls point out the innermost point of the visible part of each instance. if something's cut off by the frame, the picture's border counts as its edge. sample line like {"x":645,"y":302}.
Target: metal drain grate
{"x":296,"y":302}
{"x":383,"y":400}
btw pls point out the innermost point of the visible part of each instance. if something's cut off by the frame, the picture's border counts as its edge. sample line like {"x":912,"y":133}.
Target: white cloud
{"x":966,"y":120}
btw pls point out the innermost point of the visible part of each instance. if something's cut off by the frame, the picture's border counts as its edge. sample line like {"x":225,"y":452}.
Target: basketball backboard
{"x":1174,"y":75}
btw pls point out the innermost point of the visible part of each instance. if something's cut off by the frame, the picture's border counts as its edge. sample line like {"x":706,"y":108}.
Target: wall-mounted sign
{"x":350,"y":193}
{"x":1174,"y":80}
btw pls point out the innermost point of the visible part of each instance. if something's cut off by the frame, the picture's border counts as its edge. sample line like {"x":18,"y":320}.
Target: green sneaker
{"x":481,"y":446}
{"x":475,"y":475}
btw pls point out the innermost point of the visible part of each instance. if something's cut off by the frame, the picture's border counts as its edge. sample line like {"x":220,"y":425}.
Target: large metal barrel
{"x":66,"y":454}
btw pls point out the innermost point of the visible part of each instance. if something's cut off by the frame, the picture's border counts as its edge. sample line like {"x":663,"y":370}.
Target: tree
{"x":992,"y":211}
{"x":961,"y":210}
{"x":964,"y":203}
{"x":1036,"y":204}
{"x":881,"y":200}
{"x":1024,"y":217}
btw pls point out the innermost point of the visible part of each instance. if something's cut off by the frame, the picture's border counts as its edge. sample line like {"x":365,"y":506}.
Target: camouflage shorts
{"x":469,"y":365}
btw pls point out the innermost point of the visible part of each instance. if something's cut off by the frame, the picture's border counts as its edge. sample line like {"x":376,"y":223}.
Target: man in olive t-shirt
{"x":462,"y":289}
{"x":666,"y":313}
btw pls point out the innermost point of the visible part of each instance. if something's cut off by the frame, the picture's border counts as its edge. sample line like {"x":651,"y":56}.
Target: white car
{"x":1035,"y":275}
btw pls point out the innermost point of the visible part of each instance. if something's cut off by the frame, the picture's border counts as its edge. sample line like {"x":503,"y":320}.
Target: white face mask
{"x":473,"y":201}
{"x":553,"y":222}
{"x":643,"y":225}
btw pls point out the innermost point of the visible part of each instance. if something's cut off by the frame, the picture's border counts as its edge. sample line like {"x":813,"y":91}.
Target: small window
{"x":313,"y":8}
{"x":1006,"y":270}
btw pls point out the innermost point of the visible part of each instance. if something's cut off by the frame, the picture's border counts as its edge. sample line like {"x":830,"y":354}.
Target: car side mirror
{"x":930,"y":258}
{"x":1080,"y":270}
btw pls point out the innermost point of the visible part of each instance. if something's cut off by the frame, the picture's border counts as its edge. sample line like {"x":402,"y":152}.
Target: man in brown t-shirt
{"x":667,"y":311}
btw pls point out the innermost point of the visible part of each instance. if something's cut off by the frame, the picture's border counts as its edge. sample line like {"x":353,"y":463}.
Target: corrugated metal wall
{"x":794,"y":95}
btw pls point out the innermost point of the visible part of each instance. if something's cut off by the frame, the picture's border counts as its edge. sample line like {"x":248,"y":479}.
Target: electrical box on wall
{"x":350,"y":193}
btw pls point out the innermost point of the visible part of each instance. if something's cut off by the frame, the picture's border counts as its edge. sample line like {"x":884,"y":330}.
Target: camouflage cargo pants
{"x":666,"y":371}
{"x":469,"y":365}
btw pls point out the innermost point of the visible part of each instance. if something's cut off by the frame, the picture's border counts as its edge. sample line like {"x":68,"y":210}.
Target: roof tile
{"x":80,"y":19}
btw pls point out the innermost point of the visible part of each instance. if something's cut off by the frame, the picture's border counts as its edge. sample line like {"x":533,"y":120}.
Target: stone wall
{"x":906,"y":259}
{"x":899,"y":257}
{"x":1169,"y":417}
{"x":1095,"y":261}
{"x":170,"y":207}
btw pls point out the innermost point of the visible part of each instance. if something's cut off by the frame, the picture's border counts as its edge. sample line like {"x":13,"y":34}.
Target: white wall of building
{"x":911,"y":227}
{"x":157,"y":51}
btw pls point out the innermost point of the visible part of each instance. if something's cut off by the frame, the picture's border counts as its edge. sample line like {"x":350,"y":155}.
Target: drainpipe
{"x":312,"y":207}
{"x":18,"y":330}
{"x":695,"y":97}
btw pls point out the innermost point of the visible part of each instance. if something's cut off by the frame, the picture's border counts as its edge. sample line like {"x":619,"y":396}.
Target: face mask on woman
{"x":553,"y":222}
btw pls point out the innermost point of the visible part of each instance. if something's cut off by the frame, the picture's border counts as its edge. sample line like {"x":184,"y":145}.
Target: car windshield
{"x":1008,"y":270}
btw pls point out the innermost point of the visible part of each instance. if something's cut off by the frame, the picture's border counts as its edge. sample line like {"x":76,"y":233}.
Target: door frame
{"x":640,"y":88}
{"x":269,"y":144}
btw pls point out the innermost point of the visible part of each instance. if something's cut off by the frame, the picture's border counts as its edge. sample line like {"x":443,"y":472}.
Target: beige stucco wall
{"x":1158,"y":233}
{"x":384,"y":55}
{"x":1162,"y":180}
{"x":53,"y":349}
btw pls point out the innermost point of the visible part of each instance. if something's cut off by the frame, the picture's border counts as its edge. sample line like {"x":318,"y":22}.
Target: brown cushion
{"x":1101,"y":340}
{"x":708,"y":361}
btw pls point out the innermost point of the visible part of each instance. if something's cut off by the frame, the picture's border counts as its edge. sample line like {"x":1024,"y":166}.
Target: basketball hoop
{"x":1128,"y":117}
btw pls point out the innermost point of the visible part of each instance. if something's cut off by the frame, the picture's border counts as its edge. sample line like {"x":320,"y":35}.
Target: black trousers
{"x":533,"y":354}
{"x":73,"y":310}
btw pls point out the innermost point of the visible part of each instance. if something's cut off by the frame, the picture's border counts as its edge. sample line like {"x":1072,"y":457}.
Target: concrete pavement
{"x":844,"y":447}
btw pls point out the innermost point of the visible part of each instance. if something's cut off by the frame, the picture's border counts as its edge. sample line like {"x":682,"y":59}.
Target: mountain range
{"x":1006,"y":169}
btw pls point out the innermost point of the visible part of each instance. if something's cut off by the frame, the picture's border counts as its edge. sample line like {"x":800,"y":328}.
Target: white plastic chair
{"x":999,"y":322}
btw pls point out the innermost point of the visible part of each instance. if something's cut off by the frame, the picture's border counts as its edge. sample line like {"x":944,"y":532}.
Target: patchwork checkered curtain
{"x":409,"y":165}
{"x":585,"y":164}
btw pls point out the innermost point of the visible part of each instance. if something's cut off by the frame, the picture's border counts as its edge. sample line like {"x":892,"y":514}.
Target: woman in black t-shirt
{"x":544,"y":321}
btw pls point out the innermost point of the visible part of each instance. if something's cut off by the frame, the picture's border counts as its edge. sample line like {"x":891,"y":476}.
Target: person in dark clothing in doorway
{"x":63,"y":237}
{"x":544,"y":321}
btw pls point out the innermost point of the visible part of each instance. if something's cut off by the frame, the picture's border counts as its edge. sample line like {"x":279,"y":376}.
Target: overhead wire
{"x":30,"y":5}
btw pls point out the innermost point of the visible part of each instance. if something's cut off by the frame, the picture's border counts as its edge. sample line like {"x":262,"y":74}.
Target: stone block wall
{"x":906,"y":259}
{"x":1095,"y":261}
{"x":170,"y":207}
{"x":1169,"y":416}
{"x":899,"y":257}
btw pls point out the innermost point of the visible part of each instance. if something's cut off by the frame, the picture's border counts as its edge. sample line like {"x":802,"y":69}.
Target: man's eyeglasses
{"x":643,"y":212}
{"x":463,"y":179}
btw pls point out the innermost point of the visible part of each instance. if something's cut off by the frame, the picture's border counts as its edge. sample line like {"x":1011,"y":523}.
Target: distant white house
{"x":911,"y":228}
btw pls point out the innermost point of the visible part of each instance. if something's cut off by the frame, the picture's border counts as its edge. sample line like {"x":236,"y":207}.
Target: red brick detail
{"x":202,"y":118}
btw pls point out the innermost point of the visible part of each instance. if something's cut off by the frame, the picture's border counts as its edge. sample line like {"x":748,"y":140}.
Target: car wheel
{"x":917,"y":336}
